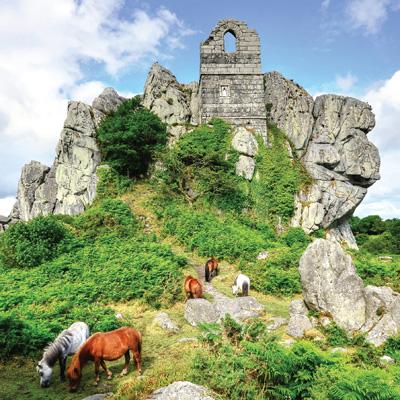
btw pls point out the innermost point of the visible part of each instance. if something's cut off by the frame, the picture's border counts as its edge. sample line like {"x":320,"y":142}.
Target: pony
{"x":211,"y":269}
{"x":107,"y":346}
{"x":241,"y":285}
{"x":193,"y":288}
{"x":66,"y":343}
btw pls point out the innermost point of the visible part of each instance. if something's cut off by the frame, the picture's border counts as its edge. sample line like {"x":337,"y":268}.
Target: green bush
{"x":109,"y":215}
{"x":130,"y":137}
{"x":296,"y":236}
{"x":202,"y":165}
{"x":28,"y":244}
{"x":110,"y":183}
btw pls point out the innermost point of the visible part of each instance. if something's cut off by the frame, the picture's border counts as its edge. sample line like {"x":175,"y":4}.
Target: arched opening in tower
{"x":229,"y":42}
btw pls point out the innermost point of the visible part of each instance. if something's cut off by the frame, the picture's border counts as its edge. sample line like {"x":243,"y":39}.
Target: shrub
{"x":202,"y":165}
{"x":27,"y":244}
{"x":130,"y":137}
{"x":110,"y":183}
{"x":296,"y":236}
{"x":106,"y":216}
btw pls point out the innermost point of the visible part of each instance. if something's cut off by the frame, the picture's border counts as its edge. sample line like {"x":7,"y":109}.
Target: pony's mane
{"x":53,"y":349}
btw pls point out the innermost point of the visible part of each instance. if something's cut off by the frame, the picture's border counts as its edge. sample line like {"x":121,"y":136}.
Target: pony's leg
{"x":126,"y":366}
{"x":107,"y":371}
{"x":138,"y":359}
{"x":96,"y":371}
{"x":63,"y":362}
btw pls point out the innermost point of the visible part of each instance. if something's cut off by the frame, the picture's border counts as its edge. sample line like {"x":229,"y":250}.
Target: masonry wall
{"x":231,"y":84}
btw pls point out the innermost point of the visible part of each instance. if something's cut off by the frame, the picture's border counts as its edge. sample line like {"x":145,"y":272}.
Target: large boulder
{"x":331,"y":285}
{"x":198,"y":311}
{"x":69,"y":186}
{"x":181,"y":391}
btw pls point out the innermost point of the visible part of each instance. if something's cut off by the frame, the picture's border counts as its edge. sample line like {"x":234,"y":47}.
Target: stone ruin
{"x":231,"y":83}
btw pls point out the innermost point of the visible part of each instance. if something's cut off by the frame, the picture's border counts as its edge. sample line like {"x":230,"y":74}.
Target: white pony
{"x":241,"y":285}
{"x":66,"y":343}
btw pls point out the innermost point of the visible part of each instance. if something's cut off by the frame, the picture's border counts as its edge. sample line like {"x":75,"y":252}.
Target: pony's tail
{"x":245,"y":289}
{"x":207,"y":272}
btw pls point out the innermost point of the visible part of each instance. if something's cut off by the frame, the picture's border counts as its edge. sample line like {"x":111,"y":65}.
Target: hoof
{"x":95,"y":383}
{"x":123,"y":373}
{"x":109,"y":377}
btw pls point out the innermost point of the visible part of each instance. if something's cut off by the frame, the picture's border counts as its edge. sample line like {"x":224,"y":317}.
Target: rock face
{"x":69,"y":186}
{"x":290,"y":107}
{"x":201,"y":310}
{"x":331,"y":285}
{"x":330,"y":136}
{"x":181,"y":391}
{"x":175,"y":104}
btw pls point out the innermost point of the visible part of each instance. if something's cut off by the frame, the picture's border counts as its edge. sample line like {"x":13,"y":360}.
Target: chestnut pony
{"x":193,"y":288}
{"x":211,"y":269}
{"x":107,"y":346}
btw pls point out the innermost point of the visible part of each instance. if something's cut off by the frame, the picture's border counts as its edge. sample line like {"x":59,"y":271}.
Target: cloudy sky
{"x":54,"y":51}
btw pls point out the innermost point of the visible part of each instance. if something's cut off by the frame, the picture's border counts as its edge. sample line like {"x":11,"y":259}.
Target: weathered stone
{"x":275,"y":323}
{"x":164,"y":321}
{"x":108,"y":101}
{"x":382,"y":314}
{"x":330,"y":284}
{"x":244,"y":142}
{"x":263,"y":255}
{"x":164,"y":96}
{"x":342,"y":163}
{"x":32,"y":176}
{"x":290,"y":107}
{"x":240,"y":308}
{"x":245,"y":167}
{"x":386,"y":360}
{"x":199,"y":311}
{"x":325,"y":321}
{"x":340,"y":350}
{"x":181,"y":391}
{"x":299,"y":322}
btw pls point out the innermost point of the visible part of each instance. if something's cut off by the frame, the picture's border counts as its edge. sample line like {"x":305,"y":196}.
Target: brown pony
{"x":211,"y":269}
{"x":193,"y":288}
{"x":105,"y":346}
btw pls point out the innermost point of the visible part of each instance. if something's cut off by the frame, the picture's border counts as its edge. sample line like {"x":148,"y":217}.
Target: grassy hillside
{"x":129,"y":252}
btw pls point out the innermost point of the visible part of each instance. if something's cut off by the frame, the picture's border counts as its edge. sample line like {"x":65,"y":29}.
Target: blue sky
{"x":77,"y":48}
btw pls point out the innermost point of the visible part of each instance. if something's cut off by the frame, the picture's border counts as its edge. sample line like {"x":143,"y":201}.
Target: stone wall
{"x":231,"y":84}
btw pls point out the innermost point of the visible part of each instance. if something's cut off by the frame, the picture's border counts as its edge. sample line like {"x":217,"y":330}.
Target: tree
{"x":130,"y":138}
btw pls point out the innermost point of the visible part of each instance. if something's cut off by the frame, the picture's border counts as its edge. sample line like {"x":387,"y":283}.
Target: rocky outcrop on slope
{"x":299,"y":322}
{"x":331,"y":285}
{"x":290,"y":107}
{"x":330,"y":136}
{"x":70,"y":184}
{"x":181,"y":390}
{"x":175,"y":104}
{"x":201,"y":310}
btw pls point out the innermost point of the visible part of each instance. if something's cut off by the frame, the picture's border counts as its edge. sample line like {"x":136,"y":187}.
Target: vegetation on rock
{"x":130,"y":137}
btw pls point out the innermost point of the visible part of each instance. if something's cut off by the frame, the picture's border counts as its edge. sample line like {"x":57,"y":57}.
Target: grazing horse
{"x":66,"y":343}
{"x":211,"y":269}
{"x":107,"y":346}
{"x":241,"y":285}
{"x":193,"y":288}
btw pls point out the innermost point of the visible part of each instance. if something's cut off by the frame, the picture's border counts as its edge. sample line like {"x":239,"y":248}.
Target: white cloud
{"x":383,"y":197}
{"x":325,"y":4}
{"x":346,"y":82}
{"x":6,"y":205}
{"x":45,"y":48}
{"x":369,"y":14}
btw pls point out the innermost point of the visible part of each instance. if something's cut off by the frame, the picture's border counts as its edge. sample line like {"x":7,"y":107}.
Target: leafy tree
{"x":28,"y":244}
{"x":130,"y":137}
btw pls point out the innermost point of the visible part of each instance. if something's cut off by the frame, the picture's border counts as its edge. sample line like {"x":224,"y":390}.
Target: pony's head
{"x":235,"y":290}
{"x":74,"y":373}
{"x":45,"y":373}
